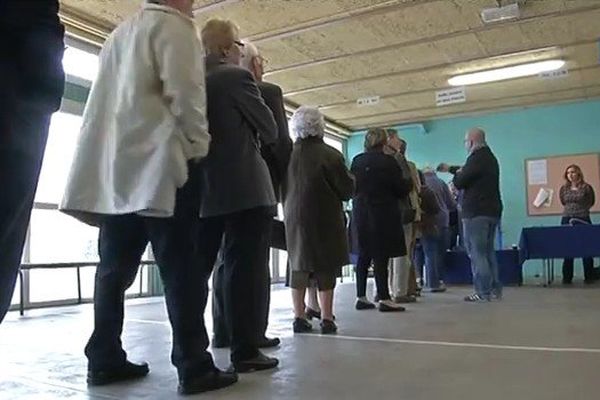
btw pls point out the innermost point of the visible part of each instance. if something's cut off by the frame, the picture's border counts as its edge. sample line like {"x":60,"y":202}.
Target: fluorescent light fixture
{"x":500,"y":74}
{"x":80,"y":64}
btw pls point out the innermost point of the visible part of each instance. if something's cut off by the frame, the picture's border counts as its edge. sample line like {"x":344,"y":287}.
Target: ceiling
{"x":329,"y":53}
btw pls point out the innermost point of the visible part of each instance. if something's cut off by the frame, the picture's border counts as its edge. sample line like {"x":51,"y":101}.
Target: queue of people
{"x":183,"y":146}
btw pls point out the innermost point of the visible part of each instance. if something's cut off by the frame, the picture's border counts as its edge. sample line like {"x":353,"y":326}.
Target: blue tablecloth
{"x":548,"y":242}
{"x":458,"y":267}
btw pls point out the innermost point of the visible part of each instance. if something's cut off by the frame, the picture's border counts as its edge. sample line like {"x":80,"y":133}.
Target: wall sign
{"x":367,"y":101}
{"x":450,"y":96}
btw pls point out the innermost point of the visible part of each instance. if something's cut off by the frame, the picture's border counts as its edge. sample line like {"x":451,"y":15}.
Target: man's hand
{"x":443,"y":167}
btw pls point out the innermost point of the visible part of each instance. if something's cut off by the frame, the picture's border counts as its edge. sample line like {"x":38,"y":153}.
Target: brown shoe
{"x":405,"y":299}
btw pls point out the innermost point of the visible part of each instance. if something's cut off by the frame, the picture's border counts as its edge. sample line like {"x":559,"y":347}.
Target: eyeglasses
{"x":239,"y":43}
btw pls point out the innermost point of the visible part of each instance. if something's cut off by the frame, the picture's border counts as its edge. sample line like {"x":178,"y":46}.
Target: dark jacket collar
{"x":378,"y":149}
{"x":311,"y":139}
{"x":213,"y":60}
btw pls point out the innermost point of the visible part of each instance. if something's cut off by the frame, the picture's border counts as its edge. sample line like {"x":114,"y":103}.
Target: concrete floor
{"x":539,"y":343}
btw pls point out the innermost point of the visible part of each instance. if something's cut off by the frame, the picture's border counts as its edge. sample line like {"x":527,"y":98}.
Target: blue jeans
{"x":480,"y":234}
{"x":434,"y":249}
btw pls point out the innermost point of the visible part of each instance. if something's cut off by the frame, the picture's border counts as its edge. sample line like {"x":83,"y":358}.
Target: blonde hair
{"x":391,"y":133}
{"x":219,"y":35}
{"x":376,"y":137}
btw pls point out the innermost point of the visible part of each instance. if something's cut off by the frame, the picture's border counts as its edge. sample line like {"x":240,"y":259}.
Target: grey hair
{"x":307,"y":122}
{"x":478,"y":136}
{"x":249,"y":52}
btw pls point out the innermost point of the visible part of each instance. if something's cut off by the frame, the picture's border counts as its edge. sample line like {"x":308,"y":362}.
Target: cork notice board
{"x":544,"y":177}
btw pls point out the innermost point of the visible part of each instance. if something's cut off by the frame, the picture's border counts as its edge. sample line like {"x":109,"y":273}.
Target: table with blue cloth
{"x":458,"y":267}
{"x":555,"y":242}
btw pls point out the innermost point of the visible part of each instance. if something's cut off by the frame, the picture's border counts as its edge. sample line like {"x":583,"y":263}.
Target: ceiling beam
{"x":333,"y":85}
{"x":440,"y":66}
{"x":214,"y":5}
{"x":334,"y":19}
{"x":375,"y":50}
{"x":334,"y":127}
{"x":479,"y":110}
{"x":428,"y":108}
{"x":83,"y":27}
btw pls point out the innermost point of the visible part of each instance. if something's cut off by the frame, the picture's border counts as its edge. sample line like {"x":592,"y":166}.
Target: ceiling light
{"x":500,"y":74}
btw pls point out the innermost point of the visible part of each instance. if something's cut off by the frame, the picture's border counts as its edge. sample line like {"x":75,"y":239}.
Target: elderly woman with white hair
{"x":317,"y":184}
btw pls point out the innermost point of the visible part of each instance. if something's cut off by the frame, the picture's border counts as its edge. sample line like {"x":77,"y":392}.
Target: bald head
{"x":474,"y":139}
{"x":252,"y":61}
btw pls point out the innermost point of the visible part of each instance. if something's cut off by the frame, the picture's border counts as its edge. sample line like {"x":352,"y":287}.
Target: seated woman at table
{"x":578,"y":198}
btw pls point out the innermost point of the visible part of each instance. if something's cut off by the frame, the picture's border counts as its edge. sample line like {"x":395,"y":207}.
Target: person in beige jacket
{"x":144,"y":121}
{"x":402,"y":276}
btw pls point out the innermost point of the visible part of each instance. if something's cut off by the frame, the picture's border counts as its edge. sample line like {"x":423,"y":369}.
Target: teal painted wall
{"x":513,"y":136}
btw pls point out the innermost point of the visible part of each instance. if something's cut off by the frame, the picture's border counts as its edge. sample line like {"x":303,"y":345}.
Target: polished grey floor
{"x":539,"y":343}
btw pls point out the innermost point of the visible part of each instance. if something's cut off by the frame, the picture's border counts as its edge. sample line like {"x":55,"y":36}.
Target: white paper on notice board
{"x":537,"y":172}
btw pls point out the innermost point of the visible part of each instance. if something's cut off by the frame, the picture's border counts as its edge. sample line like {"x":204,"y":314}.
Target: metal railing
{"x":77,"y":266}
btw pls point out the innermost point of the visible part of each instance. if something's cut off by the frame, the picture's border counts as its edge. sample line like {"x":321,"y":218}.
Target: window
{"x":56,"y":237}
{"x":334,"y":142}
{"x":62,"y":139}
{"x":80,"y":64}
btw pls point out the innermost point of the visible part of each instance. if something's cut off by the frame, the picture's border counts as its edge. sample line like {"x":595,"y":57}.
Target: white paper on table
{"x":537,"y":172}
{"x":543,"y":198}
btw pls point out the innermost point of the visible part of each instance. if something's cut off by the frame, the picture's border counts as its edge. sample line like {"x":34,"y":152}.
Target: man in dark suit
{"x":31,"y":49}
{"x":277,"y":156}
{"x":237,"y":200}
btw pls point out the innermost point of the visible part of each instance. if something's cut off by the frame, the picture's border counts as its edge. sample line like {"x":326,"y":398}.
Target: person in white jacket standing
{"x":144,"y":121}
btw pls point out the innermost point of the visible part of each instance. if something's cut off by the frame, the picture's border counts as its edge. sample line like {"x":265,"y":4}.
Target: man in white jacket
{"x":144,"y":121}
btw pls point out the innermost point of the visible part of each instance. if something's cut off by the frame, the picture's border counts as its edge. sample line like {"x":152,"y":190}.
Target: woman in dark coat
{"x":376,"y":223}
{"x":317,"y":184}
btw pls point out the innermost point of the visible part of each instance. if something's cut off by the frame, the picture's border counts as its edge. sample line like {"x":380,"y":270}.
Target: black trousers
{"x":588,"y":263}
{"x":30,"y":92}
{"x":243,"y":238}
{"x":221,"y":309}
{"x":381,"y":276}
{"x":122,"y":242}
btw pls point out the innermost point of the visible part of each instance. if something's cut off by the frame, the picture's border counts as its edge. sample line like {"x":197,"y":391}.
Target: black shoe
{"x":302,"y":326}
{"x":328,"y":327}
{"x":364,"y":305}
{"x":258,"y":363}
{"x":268,"y":342}
{"x":310,"y":313}
{"x":220,"y":343}
{"x":390,"y":306}
{"x":212,"y":380}
{"x":126,"y":372}
{"x":437,"y":290}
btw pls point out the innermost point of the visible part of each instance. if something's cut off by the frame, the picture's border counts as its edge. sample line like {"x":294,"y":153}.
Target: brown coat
{"x":317,"y":184}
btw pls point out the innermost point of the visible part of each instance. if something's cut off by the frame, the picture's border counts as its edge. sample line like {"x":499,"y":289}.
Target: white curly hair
{"x":307,"y":122}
